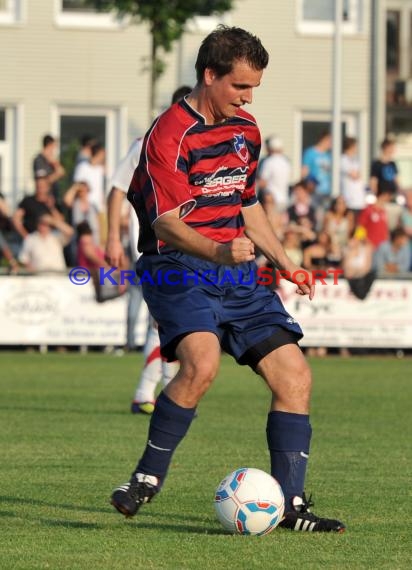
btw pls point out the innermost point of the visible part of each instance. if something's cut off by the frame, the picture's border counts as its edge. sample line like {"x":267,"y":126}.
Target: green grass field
{"x":67,"y":439}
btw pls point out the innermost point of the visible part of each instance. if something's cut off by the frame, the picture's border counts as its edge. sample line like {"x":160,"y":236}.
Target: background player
{"x":155,"y":369}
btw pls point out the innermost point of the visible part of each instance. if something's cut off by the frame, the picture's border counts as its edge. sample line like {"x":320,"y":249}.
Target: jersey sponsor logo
{"x":234,"y":179}
{"x":240,"y":147}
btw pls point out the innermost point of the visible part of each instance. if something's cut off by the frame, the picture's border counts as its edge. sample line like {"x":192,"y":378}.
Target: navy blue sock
{"x":288,"y":437}
{"x":168,"y":426}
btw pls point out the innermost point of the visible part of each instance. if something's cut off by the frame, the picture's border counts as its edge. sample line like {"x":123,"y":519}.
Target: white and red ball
{"x":249,"y":501}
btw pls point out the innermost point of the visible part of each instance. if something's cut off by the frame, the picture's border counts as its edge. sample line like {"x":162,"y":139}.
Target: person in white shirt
{"x":351,"y":184}
{"x":274,"y":180}
{"x":42,"y":250}
{"x":92,"y":173}
{"x":155,"y":369}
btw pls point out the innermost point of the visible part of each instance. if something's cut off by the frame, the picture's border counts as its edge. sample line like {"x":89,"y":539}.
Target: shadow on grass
{"x":188,"y":521}
{"x":88,"y":412}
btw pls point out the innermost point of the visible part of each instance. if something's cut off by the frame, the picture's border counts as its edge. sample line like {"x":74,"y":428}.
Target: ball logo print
{"x":249,"y":501}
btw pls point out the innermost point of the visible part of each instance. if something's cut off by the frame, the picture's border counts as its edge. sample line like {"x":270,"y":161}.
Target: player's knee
{"x":200,"y":373}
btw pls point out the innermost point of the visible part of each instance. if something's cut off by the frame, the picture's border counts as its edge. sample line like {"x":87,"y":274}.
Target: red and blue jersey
{"x":208,"y":171}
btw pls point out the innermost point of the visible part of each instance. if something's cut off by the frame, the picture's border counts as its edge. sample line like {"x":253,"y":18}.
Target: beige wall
{"x":43,"y":65}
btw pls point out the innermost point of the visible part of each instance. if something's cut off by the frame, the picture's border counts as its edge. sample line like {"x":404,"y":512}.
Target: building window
{"x":80,"y":14}
{"x":10,"y":11}
{"x":83,"y":6}
{"x":393,"y":19}
{"x":317,"y":16}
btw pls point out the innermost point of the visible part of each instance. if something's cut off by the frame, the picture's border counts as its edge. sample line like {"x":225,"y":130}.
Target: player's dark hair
{"x":180,"y":93}
{"x":48,"y":139}
{"x":226,"y":45}
{"x":397,"y":233}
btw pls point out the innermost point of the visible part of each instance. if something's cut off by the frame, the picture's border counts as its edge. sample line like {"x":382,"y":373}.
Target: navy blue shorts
{"x":186,"y":294}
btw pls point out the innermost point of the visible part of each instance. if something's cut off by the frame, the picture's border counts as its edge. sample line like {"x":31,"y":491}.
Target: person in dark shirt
{"x":31,"y":208}
{"x":384,"y":172}
{"x":47,"y":164}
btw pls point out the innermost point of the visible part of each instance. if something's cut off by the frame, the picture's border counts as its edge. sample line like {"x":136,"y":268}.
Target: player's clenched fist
{"x":237,"y":251}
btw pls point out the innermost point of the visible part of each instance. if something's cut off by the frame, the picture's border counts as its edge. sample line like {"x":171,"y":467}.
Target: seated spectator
{"x":352,"y":186}
{"x":322,"y":254}
{"x":406,"y":220}
{"x":393,"y":257}
{"x":358,"y":255}
{"x":42,"y":250}
{"x":301,"y":215}
{"x":31,"y":208}
{"x":374,"y":219}
{"x":6,"y":252}
{"x":339,"y":223}
{"x":89,"y":254}
{"x":292,"y":246}
{"x":77,"y":199}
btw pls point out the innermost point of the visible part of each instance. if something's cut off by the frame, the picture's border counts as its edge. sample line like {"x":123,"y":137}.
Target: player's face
{"x":225,"y":95}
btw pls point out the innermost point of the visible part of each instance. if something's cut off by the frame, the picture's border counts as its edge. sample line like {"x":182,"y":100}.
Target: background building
{"x":70,"y":71}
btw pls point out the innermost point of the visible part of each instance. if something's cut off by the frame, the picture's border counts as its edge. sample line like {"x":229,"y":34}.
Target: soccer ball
{"x":249,"y":501}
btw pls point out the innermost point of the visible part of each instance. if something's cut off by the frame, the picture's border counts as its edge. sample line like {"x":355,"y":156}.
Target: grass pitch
{"x":68,"y":438}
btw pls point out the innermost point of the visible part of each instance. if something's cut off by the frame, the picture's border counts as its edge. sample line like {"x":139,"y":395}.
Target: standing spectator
{"x":274,"y":177}
{"x":43,"y":249}
{"x":46,"y":163}
{"x":393,"y":257}
{"x":92,"y":173}
{"x":30,"y":209}
{"x":85,"y":151}
{"x":384,"y":172}
{"x":351,"y":185}
{"x":316,"y":165}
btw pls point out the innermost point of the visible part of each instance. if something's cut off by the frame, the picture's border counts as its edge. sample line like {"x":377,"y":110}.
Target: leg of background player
{"x":144,"y":398}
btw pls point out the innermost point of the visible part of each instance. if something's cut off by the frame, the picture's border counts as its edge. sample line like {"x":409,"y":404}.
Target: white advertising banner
{"x":336,"y":318}
{"x":51,"y":310}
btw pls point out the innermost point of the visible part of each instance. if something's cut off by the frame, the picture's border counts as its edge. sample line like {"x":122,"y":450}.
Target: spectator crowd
{"x":366,"y":230}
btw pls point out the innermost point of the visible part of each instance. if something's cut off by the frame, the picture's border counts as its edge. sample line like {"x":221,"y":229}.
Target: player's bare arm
{"x":259,"y":230}
{"x":114,"y":250}
{"x":173,"y":231}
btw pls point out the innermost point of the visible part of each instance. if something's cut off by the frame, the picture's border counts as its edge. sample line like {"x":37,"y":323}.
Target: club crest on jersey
{"x":240,"y":147}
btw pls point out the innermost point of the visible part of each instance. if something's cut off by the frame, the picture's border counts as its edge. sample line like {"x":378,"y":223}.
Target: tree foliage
{"x":166,"y":20}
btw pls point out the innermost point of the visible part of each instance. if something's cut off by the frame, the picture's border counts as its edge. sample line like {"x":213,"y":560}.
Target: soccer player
{"x":194,"y":193}
{"x":156,"y":368}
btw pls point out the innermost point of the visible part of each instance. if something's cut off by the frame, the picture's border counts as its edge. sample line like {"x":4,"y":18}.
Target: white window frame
{"x":321,"y":28}
{"x":13,"y":14}
{"x":356,"y":126}
{"x":11,"y":149}
{"x":92,"y":20}
{"x":116,"y":128}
